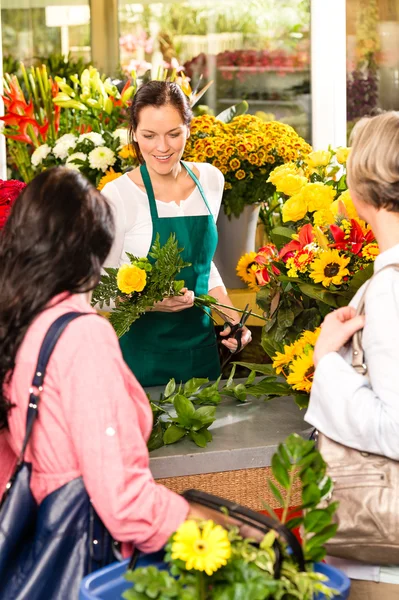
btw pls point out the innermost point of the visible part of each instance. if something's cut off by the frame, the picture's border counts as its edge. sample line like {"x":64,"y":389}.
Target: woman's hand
{"x":176,"y":303}
{"x":337,"y":328}
{"x":231,"y":343}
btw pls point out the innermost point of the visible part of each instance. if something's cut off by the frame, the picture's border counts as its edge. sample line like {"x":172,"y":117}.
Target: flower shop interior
{"x":276,"y":88}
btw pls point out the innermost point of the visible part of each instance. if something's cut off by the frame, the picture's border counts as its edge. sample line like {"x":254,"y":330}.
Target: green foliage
{"x":167,"y":264}
{"x":233,"y":111}
{"x":249,"y":572}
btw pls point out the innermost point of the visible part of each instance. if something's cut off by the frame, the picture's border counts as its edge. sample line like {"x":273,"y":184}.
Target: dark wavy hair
{"x":157,"y":93}
{"x":56,"y":239}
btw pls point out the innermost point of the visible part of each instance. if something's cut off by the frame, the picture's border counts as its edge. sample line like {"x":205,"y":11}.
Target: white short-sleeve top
{"x":133,"y":217}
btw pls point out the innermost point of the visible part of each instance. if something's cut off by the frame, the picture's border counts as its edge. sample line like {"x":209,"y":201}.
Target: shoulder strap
{"x":50,"y":340}
{"x":358,"y":362}
{"x":198,"y":184}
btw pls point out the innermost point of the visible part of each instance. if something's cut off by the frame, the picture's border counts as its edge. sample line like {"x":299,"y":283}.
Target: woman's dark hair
{"x":55,"y":240}
{"x":157,"y":93}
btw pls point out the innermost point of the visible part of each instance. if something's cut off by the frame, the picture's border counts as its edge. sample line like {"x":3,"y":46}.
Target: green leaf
{"x":240,"y":392}
{"x":230,"y":381}
{"x":284,"y":232}
{"x":259,"y":368}
{"x":208,"y":395}
{"x":233,"y":111}
{"x":294,"y":523}
{"x":170,"y":388}
{"x":206,"y":414}
{"x":266,"y":387}
{"x":310,"y":495}
{"x":302,"y":400}
{"x":276,"y":492}
{"x":360,"y":278}
{"x":321,"y":538}
{"x":315,"y":520}
{"x":251,"y":378}
{"x":193,"y":385}
{"x":318,"y":293}
{"x":184,"y":408}
{"x":285,"y":317}
{"x":280,"y":472}
{"x":173,"y":434}
{"x":156,"y":438}
{"x":199,"y":438}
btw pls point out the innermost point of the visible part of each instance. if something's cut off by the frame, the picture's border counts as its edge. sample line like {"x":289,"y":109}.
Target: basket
{"x":109,"y":583}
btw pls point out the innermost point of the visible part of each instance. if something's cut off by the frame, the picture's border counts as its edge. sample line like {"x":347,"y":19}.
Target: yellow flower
{"x":342,"y":155}
{"x":281,"y":172}
{"x":240,"y":174}
{"x":227,"y":185}
{"x":371,"y":251}
{"x":310,"y":337}
{"x":290,"y":184}
{"x":301,"y":373}
{"x":127,"y":151}
{"x":131,"y":279}
{"x":343,"y":205}
{"x":280,"y":359}
{"x":318,"y":196}
{"x":110,"y":175}
{"x":323,"y":217}
{"x":295,"y":208}
{"x":205,"y":548}
{"x":292,"y":270}
{"x":246,"y":269}
{"x":235,"y":164}
{"x":329,"y":268}
{"x":320,"y":158}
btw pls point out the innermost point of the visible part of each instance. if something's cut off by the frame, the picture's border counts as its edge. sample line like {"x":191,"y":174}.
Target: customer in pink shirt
{"x":94,"y":417}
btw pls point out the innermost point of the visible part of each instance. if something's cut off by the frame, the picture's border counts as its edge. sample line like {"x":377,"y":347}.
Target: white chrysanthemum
{"x":72,"y":165}
{"x":64,"y":143}
{"x":101,"y":158}
{"x":40,"y":154}
{"x":94,"y":137}
{"x":123,"y":136}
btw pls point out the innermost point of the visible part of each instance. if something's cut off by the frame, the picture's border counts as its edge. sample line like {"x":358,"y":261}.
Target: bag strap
{"x":358,"y":362}
{"x":50,"y":340}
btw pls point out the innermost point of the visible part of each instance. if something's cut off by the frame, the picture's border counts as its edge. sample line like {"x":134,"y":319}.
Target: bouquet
{"x":209,"y":562}
{"x":9,"y":192}
{"x":245,"y":149}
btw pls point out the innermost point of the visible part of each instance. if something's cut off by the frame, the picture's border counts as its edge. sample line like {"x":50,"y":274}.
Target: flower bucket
{"x":109,"y":583}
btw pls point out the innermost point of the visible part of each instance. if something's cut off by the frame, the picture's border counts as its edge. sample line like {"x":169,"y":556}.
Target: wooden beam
{"x":105,"y":35}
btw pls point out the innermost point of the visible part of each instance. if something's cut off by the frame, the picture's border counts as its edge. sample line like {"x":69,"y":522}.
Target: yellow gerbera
{"x":371,"y":251}
{"x":203,"y":548}
{"x":329,"y":268}
{"x":302,"y":371}
{"x":110,"y":175}
{"x":131,"y":278}
{"x":246,"y":269}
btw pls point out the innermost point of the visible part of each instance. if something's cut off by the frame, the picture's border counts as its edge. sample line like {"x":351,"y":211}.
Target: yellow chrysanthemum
{"x":110,"y":175}
{"x":371,"y":251}
{"x":319,"y":158}
{"x":131,"y":278}
{"x":205,"y":548}
{"x":240,"y":174}
{"x":235,"y":164}
{"x":329,"y":268}
{"x":246,"y":269}
{"x":301,"y":373}
{"x":342,"y":155}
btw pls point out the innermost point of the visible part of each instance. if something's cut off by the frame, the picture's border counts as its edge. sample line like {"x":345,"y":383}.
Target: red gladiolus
{"x":9,"y":192}
{"x":305,"y":236}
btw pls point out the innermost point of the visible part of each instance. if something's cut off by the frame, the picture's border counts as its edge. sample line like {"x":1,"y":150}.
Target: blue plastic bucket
{"x":109,"y":583}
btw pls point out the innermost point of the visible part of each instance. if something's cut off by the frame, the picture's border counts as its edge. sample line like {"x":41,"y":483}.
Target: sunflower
{"x":246,"y":269}
{"x":110,"y":175}
{"x":302,"y":371}
{"x":280,"y":359}
{"x":329,"y":268}
{"x":202,"y":547}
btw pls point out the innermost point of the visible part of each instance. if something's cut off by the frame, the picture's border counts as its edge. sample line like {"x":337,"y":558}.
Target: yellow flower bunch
{"x":244,"y":150}
{"x":296,"y":361}
{"x":110,"y":175}
{"x":203,"y":547}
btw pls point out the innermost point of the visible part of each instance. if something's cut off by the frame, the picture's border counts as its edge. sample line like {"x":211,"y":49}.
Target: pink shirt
{"x":94,"y":421}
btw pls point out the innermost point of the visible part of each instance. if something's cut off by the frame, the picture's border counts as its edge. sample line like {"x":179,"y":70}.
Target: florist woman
{"x":164,"y":196}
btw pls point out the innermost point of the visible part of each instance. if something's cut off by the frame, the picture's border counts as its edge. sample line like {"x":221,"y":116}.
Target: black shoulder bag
{"x":46,"y":550}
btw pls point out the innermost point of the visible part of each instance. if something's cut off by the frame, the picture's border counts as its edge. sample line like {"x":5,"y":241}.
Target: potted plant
{"x":204,"y":561}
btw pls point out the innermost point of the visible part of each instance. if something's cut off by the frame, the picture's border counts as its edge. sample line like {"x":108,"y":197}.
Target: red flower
{"x":356,"y":238}
{"x":9,"y":192}
{"x":306,"y":237}
{"x":262,"y":276}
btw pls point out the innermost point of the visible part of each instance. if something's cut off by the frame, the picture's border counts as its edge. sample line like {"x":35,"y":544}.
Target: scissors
{"x":235,"y":330}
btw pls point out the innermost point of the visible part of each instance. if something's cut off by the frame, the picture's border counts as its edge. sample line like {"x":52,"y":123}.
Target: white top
{"x":363,"y":411}
{"x":133,"y":217}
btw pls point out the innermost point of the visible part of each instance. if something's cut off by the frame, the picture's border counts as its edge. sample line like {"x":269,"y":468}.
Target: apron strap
{"x":150,"y":191}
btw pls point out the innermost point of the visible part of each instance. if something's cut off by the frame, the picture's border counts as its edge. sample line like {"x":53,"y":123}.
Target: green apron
{"x":181,"y":345}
